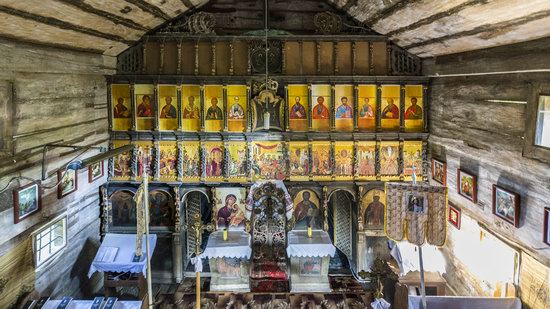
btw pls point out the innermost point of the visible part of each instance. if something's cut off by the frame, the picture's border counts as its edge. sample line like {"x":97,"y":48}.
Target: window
{"x":50,"y":240}
{"x":542,"y":131}
{"x":6,"y":118}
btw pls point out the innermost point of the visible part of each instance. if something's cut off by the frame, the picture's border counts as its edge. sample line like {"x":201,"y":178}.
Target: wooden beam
{"x":112,"y":17}
{"x":50,"y":44}
{"x":150,"y":8}
{"x":388,"y":11}
{"x":63,"y":24}
{"x":188,"y":4}
{"x":484,"y":29}
{"x":437,"y":16}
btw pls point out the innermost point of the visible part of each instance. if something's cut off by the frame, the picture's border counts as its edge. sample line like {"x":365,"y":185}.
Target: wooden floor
{"x":347,"y":293}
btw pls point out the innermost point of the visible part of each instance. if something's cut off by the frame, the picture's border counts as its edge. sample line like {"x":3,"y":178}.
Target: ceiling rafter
{"x":150,"y":8}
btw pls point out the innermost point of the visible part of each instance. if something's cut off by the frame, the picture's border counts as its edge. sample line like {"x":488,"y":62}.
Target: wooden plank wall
{"x":486,"y":139}
{"x":59,"y":96}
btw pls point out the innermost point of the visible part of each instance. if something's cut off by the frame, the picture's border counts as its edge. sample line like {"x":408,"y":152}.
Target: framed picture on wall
{"x":26,"y":201}
{"x":95,"y":171}
{"x":546,"y":236}
{"x":506,"y":205}
{"x":68,"y":182}
{"x":467,"y":185}
{"x":439,"y":171}
{"x":454,"y":216}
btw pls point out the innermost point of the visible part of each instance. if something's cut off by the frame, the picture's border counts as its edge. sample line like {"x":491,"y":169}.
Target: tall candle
{"x":309,"y":231}
{"x":224,"y":234}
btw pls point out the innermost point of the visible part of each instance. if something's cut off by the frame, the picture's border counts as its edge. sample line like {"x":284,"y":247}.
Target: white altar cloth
{"x":237,"y":245}
{"x":87,"y":304}
{"x":319,"y":245}
{"x":458,"y":302}
{"x":126,"y":244}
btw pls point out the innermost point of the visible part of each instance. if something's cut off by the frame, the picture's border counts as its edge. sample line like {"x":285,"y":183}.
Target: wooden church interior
{"x":274,"y":154}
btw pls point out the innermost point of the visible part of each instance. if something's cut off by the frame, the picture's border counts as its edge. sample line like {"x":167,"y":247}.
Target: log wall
{"x":57,"y":96}
{"x":486,"y":139}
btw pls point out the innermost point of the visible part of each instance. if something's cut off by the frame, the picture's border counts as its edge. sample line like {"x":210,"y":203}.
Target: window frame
{"x":6,"y":117}
{"x":41,"y":264}
{"x":530,"y":149}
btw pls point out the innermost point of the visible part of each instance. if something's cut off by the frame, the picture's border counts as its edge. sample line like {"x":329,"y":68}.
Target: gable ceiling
{"x":423,"y":27}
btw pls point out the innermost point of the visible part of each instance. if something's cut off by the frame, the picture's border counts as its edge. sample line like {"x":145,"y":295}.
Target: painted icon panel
{"x":268,"y":161}
{"x":161,"y":208}
{"x":168,"y":107}
{"x":366,"y":107}
{"x":414,"y":108}
{"x":213,"y":108}
{"x":307,"y":211}
{"x":122,"y":107}
{"x":168,"y":161}
{"x":237,"y":165}
{"x":321,"y":160}
{"x":365,"y":165}
{"x":123,"y":208}
{"x":298,"y":102}
{"x":389,"y":160}
{"x":299,"y":161}
{"x":412,"y":157}
{"x":191,"y":103}
{"x":191,"y":161}
{"x":237,"y":108}
{"x":122,"y":163}
{"x":390,"y":115}
{"x":145,"y":109}
{"x":213,"y":161}
{"x":144,"y":159}
{"x":321,"y":105}
{"x":229,"y":208}
{"x":373,"y":210}
{"x":343,"y":159}
{"x":343,"y":108}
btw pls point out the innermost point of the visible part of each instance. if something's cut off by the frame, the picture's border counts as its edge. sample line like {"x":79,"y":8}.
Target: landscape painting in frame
{"x":168,"y":161}
{"x":68,"y":182}
{"x":237,"y":164}
{"x":343,"y":161}
{"x":343,"y":108}
{"x":390,"y":115}
{"x":95,"y":171}
{"x":439,"y":171}
{"x":213,"y":108}
{"x":145,"y":107}
{"x":321,"y":106}
{"x":213,"y":161}
{"x":454,"y":216}
{"x":191,"y":161}
{"x":414,"y":108}
{"x":321,"y":160}
{"x":27,"y":201}
{"x":366,"y":107}
{"x":168,"y":107}
{"x":546,"y":236}
{"x":122,"y":163}
{"x":389,"y":160}
{"x":237,"y":109}
{"x":412,"y":159}
{"x":299,"y":161}
{"x":506,"y":205}
{"x":191,"y":104}
{"x":229,"y":208}
{"x":121,"y":107}
{"x":467,"y":185}
{"x":307,"y":211}
{"x":298,"y":102}
{"x":365,"y":166}
{"x":268,"y":161}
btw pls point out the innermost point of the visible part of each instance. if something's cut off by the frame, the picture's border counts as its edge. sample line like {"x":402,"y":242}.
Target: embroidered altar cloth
{"x":319,"y":245}
{"x":237,"y":245}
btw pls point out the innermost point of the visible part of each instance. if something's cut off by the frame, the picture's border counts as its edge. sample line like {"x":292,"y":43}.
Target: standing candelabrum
{"x":197,"y":226}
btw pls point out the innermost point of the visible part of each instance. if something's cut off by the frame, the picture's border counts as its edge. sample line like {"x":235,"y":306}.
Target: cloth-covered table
{"x":228,"y":260}
{"x":319,"y":245}
{"x":237,"y":245}
{"x":457,"y":302}
{"x":87,"y":304}
{"x":126,"y":244}
{"x":309,"y":260}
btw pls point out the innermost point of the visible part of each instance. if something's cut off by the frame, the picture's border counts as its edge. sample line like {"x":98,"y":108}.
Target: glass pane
{"x":542,"y":134}
{"x":50,"y":241}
